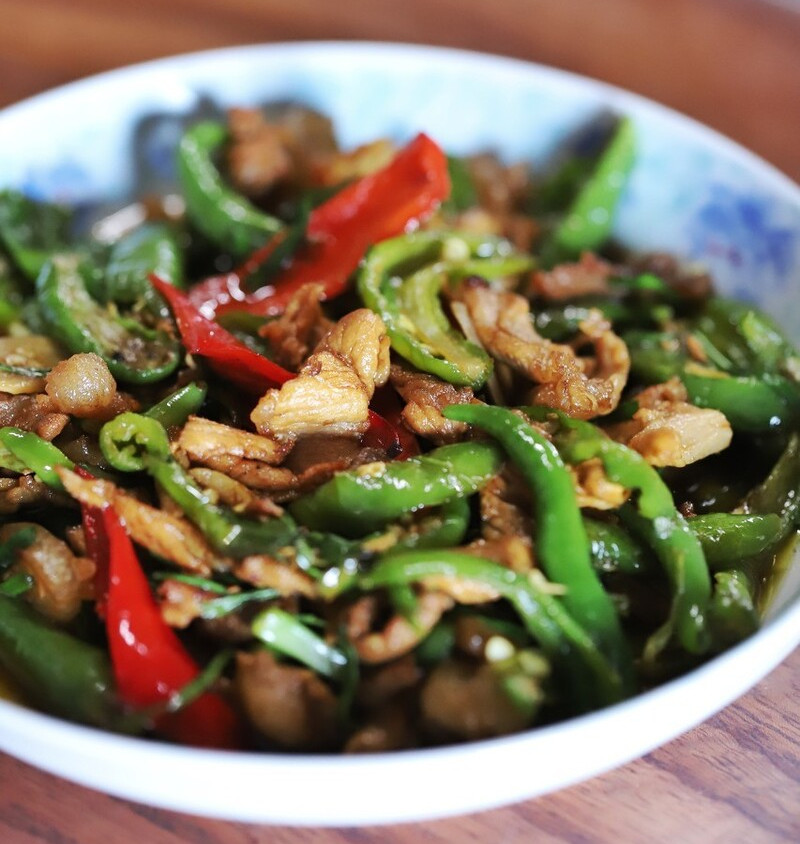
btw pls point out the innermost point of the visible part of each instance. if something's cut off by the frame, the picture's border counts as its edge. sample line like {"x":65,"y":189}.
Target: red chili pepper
{"x":149,"y":661}
{"x":373,"y":208}
{"x":388,"y":404}
{"x":232,"y":359}
{"x":227,"y":355}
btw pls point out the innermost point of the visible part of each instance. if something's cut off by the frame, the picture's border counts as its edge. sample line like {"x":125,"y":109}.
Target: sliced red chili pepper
{"x":227,"y":355}
{"x":380,"y":205}
{"x":149,"y":661}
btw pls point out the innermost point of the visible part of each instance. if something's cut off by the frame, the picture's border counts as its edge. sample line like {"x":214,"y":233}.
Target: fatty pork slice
{"x":333,"y":388}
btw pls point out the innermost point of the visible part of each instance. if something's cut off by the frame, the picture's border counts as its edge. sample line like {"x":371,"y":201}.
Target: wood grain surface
{"x":734,"y":64}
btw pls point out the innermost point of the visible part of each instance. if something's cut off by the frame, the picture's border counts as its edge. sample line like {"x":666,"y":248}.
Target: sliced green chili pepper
{"x":58,"y":672}
{"x":729,"y":538}
{"x":753,"y":403}
{"x":444,"y":528}
{"x":613,"y":550}
{"x":132,"y":443}
{"x":150,"y":248}
{"x":654,"y":517}
{"x":590,"y":678}
{"x":779,"y":492}
{"x":226,"y":217}
{"x":134,"y":354}
{"x":463,"y":194}
{"x":400,"y":280}
{"x":589,"y":218}
{"x":732,"y":613}
{"x":177,"y":407}
{"x":31,"y":452}
{"x":365,"y":499}
{"x":557,"y":516}
{"x":32,"y":231}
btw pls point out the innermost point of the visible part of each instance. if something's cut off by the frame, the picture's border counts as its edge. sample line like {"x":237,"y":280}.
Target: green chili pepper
{"x":227,"y":218}
{"x":732,"y":613}
{"x":400,"y":280}
{"x":365,"y":499}
{"x":134,"y":354}
{"x":150,"y":248}
{"x":562,"y":548}
{"x":444,"y":528}
{"x":177,"y":407}
{"x":590,"y":216}
{"x":30,"y":452}
{"x":653,"y":516}
{"x":32,"y":231}
{"x":779,"y":492}
{"x":613,"y":550}
{"x":57,"y":671}
{"x":729,"y":538}
{"x":590,"y":678}
{"x":754,"y":403}
{"x":132,"y":442}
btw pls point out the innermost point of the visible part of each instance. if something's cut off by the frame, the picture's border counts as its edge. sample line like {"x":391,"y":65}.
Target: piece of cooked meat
{"x":265,"y":572}
{"x":506,"y":507}
{"x":168,"y":536}
{"x":203,"y":440}
{"x":257,"y":154}
{"x":565,"y":281}
{"x":290,"y":706}
{"x":582,"y":387}
{"x":425,"y":396}
{"x":31,"y":351}
{"x":37,"y":413}
{"x":28,"y":491}
{"x":594,"y":489}
{"x":298,"y":329}
{"x":83,"y":386}
{"x":333,"y":388}
{"x":61,"y":580}
{"x":669,"y":431}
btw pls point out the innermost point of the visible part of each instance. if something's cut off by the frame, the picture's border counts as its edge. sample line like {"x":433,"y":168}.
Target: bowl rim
{"x":779,"y":636}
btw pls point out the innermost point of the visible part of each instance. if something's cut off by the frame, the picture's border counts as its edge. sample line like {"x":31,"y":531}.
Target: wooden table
{"x":734,"y":64}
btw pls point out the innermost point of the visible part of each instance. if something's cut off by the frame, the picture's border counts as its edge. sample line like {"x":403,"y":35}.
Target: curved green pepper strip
{"x":562,"y":547}
{"x":732,"y":613}
{"x":227,"y":218}
{"x":654,"y":517}
{"x":613,"y":551}
{"x":150,"y":248}
{"x":400,"y":280}
{"x":779,"y":492}
{"x":30,"y":452}
{"x":365,"y":499}
{"x":134,"y":354}
{"x":590,"y":678}
{"x":132,"y":442}
{"x":177,"y":407}
{"x":729,"y":538}
{"x":751,"y":403}
{"x":445,"y":528}
{"x":590,"y":216}
{"x":59,"y":672}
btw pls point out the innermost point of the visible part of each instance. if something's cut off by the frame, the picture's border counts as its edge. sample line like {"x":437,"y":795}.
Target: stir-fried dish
{"x":374,"y":449}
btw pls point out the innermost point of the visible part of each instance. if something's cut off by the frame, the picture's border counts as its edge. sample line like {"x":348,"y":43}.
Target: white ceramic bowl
{"x":692,"y":192}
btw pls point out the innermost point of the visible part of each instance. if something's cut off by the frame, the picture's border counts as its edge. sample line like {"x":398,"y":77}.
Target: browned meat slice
{"x":344,"y":166}
{"x":332,"y":391}
{"x":181,"y":603}
{"x":566,"y":281}
{"x":234,"y":494}
{"x":689,"y":282}
{"x":506,"y":506}
{"x":204,"y":440}
{"x":425,"y":396}
{"x":501,"y":188}
{"x":299,"y":329}
{"x":290,"y":706}
{"x":669,"y":431}
{"x":27,"y":491}
{"x":267,"y":573}
{"x":401,"y":634}
{"x":468,"y":701}
{"x":583,"y":387}
{"x":593,"y":487}
{"x":37,"y":413}
{"x":257,"y":154}
{"x":162,"y":533}
{"x":61,"y":581}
